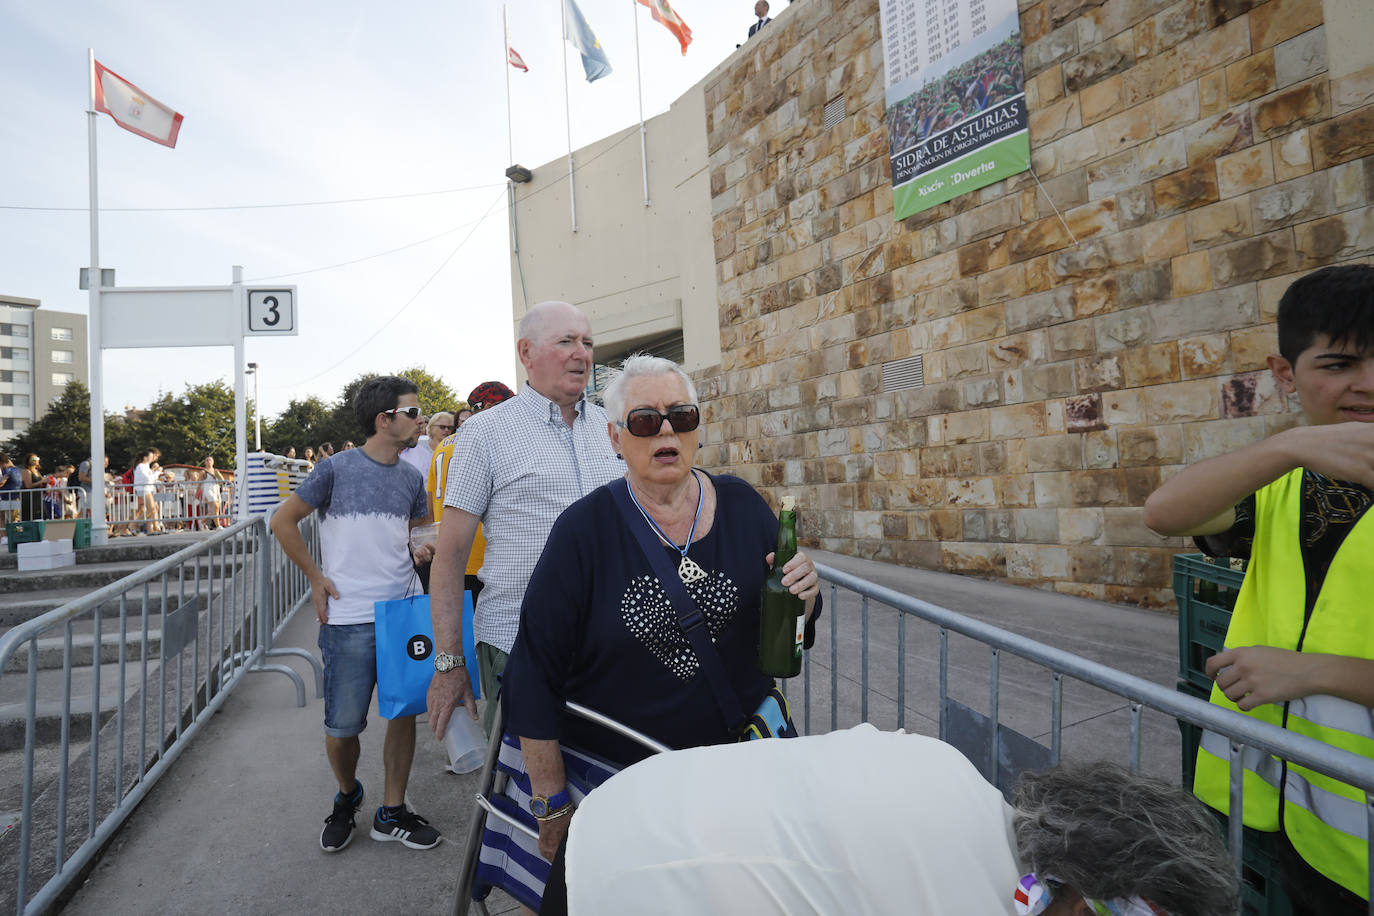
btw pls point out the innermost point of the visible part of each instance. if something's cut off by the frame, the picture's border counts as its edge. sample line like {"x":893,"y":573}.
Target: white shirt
{"x":854,"y":822}
{"x":517,"y":466}
{"x":144,"y":478}
{"x":419,"y":456}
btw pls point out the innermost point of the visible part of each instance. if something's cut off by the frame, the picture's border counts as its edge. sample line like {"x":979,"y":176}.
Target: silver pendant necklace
{"x":687,"y":570}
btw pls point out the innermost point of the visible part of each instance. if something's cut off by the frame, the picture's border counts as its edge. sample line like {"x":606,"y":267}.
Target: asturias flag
{"x":665,"y":14}
{"x":133,"y":109}
{"x":576,"y":30}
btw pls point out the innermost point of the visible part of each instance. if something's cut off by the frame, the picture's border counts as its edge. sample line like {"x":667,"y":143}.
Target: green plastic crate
{"x":1190,"y":733}
{"x":18,"y":533}
{"x":27,"y":532}
{"x":1261,"y":891}
{"x":78,"y":529}
{"x":1206,"y":592}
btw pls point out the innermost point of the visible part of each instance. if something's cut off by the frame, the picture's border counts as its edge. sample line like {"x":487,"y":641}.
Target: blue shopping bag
{"x":405,"y":654}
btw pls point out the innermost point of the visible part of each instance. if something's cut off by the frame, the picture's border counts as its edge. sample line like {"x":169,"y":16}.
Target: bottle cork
{"x":788,"y":502}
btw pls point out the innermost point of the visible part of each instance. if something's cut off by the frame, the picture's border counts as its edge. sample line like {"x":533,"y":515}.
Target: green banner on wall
{"x":956,"y":103}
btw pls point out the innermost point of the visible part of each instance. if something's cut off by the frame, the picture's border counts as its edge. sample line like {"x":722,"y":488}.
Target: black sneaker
{"x":338,"y":827}
{"x":405,"y":826}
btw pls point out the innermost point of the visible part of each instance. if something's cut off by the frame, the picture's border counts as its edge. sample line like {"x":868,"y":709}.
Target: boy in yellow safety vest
{"x":1300,"y":647}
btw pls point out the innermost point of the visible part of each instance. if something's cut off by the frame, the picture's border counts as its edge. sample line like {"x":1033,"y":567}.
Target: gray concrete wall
{"x":640,"y":272}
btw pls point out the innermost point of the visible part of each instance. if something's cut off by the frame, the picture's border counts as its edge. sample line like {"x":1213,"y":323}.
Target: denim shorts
{"x":350,"y":673}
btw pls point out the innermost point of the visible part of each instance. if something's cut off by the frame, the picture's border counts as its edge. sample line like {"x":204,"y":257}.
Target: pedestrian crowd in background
{"x":147,"y":498}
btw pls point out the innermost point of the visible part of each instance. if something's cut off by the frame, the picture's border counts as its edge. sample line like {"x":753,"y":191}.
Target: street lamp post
{"x":257,"y":409}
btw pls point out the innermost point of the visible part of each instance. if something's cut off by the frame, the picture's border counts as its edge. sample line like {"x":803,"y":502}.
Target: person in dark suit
{"x":761,"y":11}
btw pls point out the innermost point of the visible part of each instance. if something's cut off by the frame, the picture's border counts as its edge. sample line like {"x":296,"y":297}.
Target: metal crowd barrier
{"x":176,"y":637}
{"x":187,"y":505}
{"x":41,"y":503}
{"x":996,"y":744}
{"x":192,"y":505}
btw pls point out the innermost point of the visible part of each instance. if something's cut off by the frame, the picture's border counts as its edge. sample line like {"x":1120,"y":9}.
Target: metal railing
{"x":194,"y":505}
{"x":1242,"y":732}
{"x":189,"y":505}
{"x":175,"y":638}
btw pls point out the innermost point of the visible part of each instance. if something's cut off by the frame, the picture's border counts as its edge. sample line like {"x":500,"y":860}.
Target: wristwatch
{"x":554,"y":805}
{"x":444,"y":662}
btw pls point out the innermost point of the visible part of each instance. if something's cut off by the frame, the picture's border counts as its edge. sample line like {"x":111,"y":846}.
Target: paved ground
{"x":234,"y":827}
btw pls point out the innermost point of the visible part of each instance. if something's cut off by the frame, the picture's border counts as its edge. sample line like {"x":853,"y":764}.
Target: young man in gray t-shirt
{"x":368,"y":500}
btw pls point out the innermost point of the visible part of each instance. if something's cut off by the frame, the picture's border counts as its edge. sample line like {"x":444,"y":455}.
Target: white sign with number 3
{"x":272,"y":311}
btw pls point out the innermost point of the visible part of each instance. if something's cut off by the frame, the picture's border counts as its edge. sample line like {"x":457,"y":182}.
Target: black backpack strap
{"x":689,"y":618}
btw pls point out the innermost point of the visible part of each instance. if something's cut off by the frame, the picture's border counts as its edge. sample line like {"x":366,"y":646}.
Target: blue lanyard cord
{"x":653,"y":524}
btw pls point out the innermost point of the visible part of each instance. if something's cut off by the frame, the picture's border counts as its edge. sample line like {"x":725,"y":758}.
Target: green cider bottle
{"x":782,"y":615}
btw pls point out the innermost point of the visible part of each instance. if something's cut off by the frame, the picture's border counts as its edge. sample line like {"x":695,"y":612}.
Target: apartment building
{"x":41,"y":350}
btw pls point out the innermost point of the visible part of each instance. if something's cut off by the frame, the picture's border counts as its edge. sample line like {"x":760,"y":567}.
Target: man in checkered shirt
{"x":515,"y":468}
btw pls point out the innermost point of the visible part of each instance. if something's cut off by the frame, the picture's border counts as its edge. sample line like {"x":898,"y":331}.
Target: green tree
{"x":121,"y":440}
{"x":189,"y":426}
{"x":435,"y":395}
{"x":61,"y":435}
{"x":300,"y":424}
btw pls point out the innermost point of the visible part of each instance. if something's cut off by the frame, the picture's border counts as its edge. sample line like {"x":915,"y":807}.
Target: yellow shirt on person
{"x":435,"y":483}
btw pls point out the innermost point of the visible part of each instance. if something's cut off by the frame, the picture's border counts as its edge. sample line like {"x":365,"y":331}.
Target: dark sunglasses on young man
{"x":645,"y":421}
{"x":411,"y":412}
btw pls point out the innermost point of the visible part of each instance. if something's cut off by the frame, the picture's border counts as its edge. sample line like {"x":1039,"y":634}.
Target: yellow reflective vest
{"x":436,"y":483}
{"x":1324,"y":819}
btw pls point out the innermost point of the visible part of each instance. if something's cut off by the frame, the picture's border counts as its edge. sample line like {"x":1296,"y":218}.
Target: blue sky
{"x":313,"y":101}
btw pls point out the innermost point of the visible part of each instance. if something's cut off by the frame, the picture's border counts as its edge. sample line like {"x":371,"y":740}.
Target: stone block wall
{"x":1085,"y":331}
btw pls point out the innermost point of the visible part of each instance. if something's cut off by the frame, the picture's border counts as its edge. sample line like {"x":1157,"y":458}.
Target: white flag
{"x":133,"y":109}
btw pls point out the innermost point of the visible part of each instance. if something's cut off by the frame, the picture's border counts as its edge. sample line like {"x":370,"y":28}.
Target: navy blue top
{"x":11,"y":479}
{"x":597,"y":628}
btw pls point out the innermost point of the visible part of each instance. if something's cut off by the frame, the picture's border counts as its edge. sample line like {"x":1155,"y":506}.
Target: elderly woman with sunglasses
{"x":597,"y":626}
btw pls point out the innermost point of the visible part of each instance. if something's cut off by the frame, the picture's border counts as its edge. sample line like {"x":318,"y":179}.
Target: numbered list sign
{"x":956,"y":102}
{"x":272,"y":312}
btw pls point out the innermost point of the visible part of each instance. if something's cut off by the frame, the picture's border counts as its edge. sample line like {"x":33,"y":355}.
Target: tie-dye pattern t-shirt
{"x":365,"y":511}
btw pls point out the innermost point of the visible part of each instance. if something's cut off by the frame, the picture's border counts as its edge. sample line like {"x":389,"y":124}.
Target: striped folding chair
{"x":502,"y":848}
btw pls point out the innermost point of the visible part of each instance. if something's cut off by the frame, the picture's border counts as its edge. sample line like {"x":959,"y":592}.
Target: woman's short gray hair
{"x":1107,"y":833}
{"x":641,"y":365}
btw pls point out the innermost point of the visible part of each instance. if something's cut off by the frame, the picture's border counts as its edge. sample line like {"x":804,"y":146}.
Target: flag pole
{"x":93,"y":330}
{"x":567,"y":115}
{"x":639,"y":82}
{"x":505,"y":65}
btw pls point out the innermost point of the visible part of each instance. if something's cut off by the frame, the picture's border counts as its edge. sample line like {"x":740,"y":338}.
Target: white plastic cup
{"x":424,"y":535}
{"x":465,"y":742}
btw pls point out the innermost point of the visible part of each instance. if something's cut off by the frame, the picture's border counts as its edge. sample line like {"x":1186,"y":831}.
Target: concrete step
{"x":161,"y":681}
{"x":92,"y":577}
{"x":48,"y":721}
{"x":51,"y":684}
{"x":51,"y":650}
{"x":47,"y":763}
{"x":140,"y":547}
{"x":18,"y":607}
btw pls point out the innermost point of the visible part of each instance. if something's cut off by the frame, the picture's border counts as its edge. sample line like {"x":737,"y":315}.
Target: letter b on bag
{"x":419,"y":647}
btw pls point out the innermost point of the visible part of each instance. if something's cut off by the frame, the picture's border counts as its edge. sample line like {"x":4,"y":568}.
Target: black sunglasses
{"x":645,"y":421}
{"x":411,"y":412}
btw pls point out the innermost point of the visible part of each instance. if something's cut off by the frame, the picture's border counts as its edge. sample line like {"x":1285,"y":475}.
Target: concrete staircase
{"x":89,"y":676}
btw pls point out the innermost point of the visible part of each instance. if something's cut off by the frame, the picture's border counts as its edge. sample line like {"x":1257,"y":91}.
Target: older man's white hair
{"x":641,"y":365}
{"x":534,"y":322}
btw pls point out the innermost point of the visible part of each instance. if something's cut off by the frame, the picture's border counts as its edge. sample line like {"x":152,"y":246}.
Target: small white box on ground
{"x":35,"y":549}
{"x":46,"y":555}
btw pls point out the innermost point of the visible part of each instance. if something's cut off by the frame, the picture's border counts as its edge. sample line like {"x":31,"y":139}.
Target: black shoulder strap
{"x":688,"y":617}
